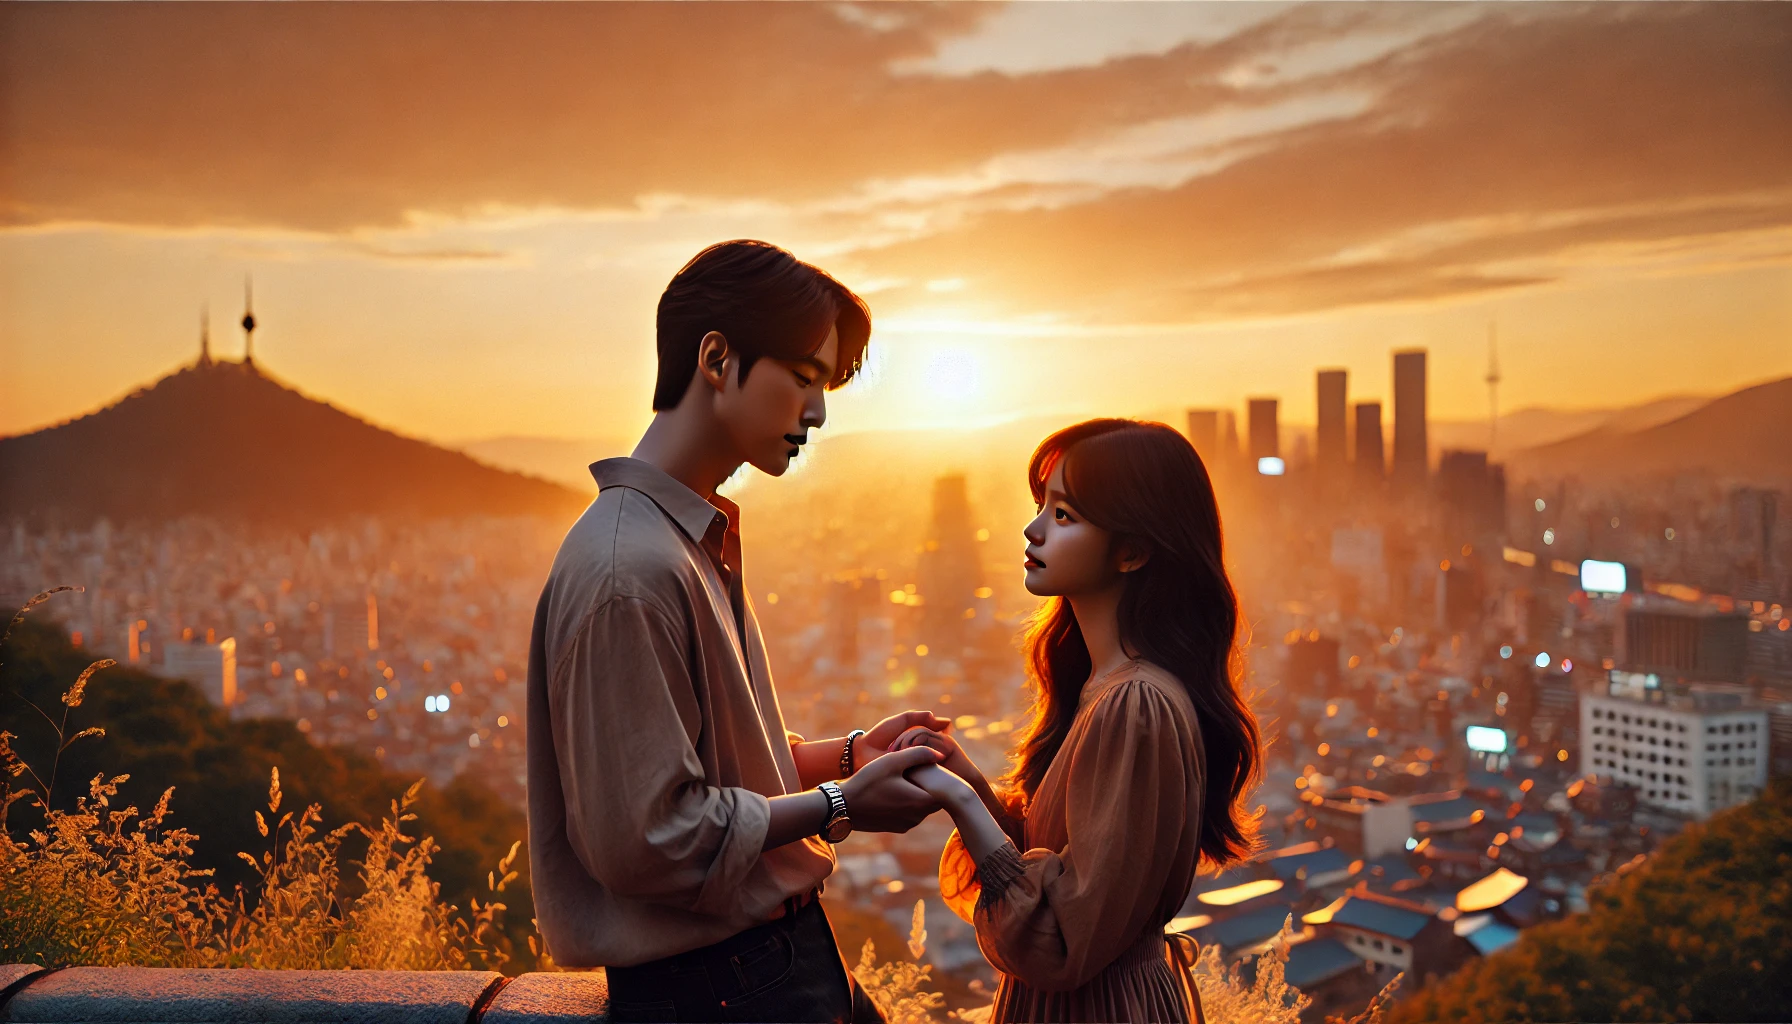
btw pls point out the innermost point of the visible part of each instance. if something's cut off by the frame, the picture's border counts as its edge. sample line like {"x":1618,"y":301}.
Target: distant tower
{"x":205,"y":335}
{"x":1204,"y":434}
{"x":249,"y":322}
{"x":1371,"y":457}
{"x":1493,"y":389}
{"x":1330,"y":442}
{"x":1412,"y":461}
{"x":1265,"y":437}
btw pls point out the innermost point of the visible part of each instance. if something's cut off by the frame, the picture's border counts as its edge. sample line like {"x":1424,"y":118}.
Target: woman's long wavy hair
{"x":1143,"y":482}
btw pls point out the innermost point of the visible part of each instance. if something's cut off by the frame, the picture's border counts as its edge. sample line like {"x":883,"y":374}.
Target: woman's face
{"x":1066,"y":554}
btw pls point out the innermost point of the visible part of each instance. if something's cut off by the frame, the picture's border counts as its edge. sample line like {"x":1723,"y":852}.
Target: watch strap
{"x":836,"y":807}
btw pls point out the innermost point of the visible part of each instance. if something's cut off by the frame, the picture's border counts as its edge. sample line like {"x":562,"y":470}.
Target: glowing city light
{"x":1269,"y":465}
{"x":1542,"y":659}
{"x":1505,"y":651}
{"x":437,"y":702}
{"x":1486,"y":739}
{"x":1539,"y":505}
{"x":1549,"y":536}
{"x":1598,"y":577}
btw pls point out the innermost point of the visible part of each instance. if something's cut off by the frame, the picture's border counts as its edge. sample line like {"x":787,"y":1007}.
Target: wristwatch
{"x":839,"y":823}
{"x":846,"y":765}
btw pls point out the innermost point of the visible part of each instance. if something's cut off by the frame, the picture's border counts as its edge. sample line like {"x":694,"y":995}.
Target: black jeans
{"x":785,"y":970}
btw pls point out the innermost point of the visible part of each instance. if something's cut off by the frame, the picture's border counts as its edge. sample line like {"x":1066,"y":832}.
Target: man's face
{"x":770,"y":416}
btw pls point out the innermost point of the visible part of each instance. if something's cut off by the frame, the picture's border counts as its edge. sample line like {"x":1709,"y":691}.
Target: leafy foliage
{"x":90,"y":884}
{"x":1701,"y":931}
{"x":162,"y":733}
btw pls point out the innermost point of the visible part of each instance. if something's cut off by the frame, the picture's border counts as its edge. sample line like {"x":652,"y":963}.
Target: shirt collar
{"x":693,"y":514}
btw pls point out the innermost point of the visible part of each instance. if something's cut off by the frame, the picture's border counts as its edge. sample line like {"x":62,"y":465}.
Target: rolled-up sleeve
{"x":640,"y":817}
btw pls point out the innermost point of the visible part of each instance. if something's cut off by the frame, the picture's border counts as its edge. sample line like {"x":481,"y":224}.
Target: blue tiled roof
{"x":1247,"y":929}
{"x":1372,"y":916}
{"x":1487,"y":935}
{"x":1445,"y":810}
{"x":1236,"y":875}
{"x":1394,"y":868}
{"x":1318,"y":960}
{"x":1319,"y":862}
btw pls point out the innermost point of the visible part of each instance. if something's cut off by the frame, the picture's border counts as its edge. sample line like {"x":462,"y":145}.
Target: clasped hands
{"x":908,"y":768}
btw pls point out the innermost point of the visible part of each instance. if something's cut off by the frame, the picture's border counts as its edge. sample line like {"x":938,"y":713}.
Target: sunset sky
{"x":459,"y":217}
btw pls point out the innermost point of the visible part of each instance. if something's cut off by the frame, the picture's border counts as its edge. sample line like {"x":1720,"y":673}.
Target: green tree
{"x":1701,"y":931}
{"x":163,"y":732}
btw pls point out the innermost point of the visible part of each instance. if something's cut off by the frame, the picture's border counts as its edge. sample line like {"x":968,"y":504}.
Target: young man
{"x":678,"y":835}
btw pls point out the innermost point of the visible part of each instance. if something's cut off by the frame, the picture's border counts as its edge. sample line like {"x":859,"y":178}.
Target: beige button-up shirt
{"x":654,"y":733}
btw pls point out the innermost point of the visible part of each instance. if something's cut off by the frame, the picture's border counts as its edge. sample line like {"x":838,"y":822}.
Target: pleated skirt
{"x":1144,"y":985}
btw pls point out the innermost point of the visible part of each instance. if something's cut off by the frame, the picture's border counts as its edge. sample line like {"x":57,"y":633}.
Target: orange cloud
{"x":1291,"y":160}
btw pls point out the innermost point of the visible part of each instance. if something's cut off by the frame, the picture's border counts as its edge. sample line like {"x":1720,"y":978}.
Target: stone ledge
{"x":154,"y":995}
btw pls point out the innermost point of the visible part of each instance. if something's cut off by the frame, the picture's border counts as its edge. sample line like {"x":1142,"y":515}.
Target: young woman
{"x":1130,"y":771}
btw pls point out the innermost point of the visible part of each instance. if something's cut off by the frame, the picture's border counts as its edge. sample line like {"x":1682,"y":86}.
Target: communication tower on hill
{"x":1493,"y":387}
{"x":205,"y":335}
{"x":249,"y":322}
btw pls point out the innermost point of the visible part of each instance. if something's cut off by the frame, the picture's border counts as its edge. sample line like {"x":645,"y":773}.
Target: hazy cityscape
{"x":1481,"y":697}
{"x":314,"y":316}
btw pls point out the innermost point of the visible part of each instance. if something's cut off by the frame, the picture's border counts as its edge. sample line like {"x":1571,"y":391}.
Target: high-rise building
{"x":209,"y":666}
{"x":1411,"y":458}
{"x":1204,"y":434}
{"x":1696,"y":753}
{"x":1371,"y":456}
{"x":1265,"y":439}
{"x":950,"y":572}
{"x":1331,"y":454}
{"x":1473,"y":493}
{"x":1692,"y":642}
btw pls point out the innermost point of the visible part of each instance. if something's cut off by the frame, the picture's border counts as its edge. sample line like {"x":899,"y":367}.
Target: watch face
{"x":839,"y":829}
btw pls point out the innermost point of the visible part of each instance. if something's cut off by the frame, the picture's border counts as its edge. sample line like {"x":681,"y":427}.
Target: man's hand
{"x":875,"y":743}
{"x":879,"y":799}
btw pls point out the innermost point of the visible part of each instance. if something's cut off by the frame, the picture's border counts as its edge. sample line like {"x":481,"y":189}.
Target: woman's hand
{"x":952,"y":792}
{"x":955,"y":760}
{"x":977,"y":826}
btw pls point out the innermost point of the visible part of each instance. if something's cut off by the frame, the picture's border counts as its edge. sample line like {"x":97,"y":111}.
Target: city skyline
{"x":466,"y":258}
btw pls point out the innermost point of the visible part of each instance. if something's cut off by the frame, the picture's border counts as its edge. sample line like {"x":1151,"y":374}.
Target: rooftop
{"x":1247,"y":929}
{"x":1318,"y":960}
{"x":1397,"y":919}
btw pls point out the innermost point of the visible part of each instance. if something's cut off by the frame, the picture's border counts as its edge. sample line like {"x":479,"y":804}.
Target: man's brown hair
{"x":766,"y":302}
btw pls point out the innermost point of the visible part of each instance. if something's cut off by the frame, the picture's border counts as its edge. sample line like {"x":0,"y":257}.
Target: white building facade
{"x":211,"y":667}
{"x":1694,"y":754}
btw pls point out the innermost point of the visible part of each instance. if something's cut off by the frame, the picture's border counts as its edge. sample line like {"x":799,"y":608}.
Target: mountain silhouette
{"x":225,"y":440}
{"x":1741,"y":436}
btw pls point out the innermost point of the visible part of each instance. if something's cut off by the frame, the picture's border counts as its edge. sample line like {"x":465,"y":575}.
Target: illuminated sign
{"x":1598,"y":577}
{"x":1486,"y":739}
{"x":1269,"y":465}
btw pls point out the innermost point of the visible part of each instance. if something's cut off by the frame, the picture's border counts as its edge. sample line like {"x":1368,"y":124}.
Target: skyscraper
{"x":950,"y":572}
{"x":1265,"y":439}
{"x":1371,"y":458}
{"x":1411,"y":461}
{"x":1331,"y":454}
{"x":1204,"y":434}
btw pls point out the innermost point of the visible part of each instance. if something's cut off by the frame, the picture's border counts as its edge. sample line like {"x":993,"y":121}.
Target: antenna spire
{"x":248,"y":321}
{"x":1493,"y":386}
{"x":205,"y":335}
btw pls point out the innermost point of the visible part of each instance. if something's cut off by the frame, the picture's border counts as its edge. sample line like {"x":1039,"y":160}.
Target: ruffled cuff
{"x":998,"y":871}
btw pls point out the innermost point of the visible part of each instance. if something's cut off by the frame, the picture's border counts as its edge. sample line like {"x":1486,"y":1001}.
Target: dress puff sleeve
{"x":1056,"y":918}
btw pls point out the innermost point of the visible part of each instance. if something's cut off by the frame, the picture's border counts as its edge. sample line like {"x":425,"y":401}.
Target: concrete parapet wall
{"x":153,"y":995}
